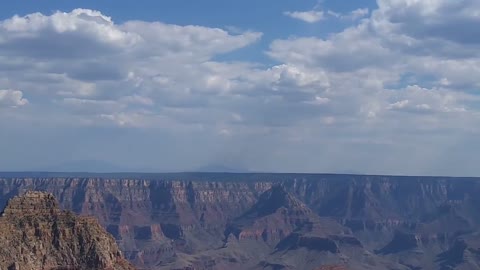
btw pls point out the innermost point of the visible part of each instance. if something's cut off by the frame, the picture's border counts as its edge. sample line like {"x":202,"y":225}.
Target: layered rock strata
{"x":35,"y":234}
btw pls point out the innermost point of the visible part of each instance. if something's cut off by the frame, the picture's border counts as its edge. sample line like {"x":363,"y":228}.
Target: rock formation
{"x":180,"y":221}
{"x":35,"y":235}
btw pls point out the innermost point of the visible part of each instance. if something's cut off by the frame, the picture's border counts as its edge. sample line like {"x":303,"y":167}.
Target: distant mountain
{"x":98,"y":166}
{"x":217,"y":168}
{"x":86,"y":166}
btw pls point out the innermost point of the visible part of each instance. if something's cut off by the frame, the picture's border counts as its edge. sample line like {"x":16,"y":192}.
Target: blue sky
{"x":385,"y":87}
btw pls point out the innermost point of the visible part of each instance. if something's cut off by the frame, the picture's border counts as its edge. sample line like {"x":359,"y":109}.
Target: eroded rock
{"x":36,"y":234}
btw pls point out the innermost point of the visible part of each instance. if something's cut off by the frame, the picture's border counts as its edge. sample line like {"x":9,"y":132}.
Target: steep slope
{"x":35,"y":234}
{"x":275,"y":216}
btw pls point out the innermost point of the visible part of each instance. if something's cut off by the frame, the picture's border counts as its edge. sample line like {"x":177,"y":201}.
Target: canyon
{"x":274,"y":221}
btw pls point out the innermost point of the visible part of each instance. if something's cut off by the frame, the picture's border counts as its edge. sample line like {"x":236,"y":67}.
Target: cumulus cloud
{"x":83,"y":62}
{"x":417,"y":99}
{"x":311,"y":16}
{"x":12,"y":98}
{"x":60,"y":35}
{"x":349,"y":50}
{"x":316,"y":15}
{"x":438,"y":19}
{"x":389,"y":44}
{"x":358,"y":13}
{"x":86,"y":45}
{"x":352,"y":15}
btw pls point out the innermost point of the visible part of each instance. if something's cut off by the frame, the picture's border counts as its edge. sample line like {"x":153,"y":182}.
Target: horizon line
{"x":75,"y":173}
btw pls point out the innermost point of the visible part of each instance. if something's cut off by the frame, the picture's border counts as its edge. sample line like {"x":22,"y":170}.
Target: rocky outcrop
{"x":36,"y":235}
{"x":402,"y":241}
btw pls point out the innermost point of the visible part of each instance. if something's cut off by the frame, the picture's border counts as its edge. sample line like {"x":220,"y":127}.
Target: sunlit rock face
{"x":36,"y":234}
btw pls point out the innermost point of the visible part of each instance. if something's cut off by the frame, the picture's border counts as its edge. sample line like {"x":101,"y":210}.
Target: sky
{"x":373,"y":87}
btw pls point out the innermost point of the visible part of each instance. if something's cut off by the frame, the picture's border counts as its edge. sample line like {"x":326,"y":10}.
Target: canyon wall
{"x":163,"y":219}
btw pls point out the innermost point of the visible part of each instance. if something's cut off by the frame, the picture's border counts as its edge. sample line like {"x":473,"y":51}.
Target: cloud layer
{"x":392,"y":93}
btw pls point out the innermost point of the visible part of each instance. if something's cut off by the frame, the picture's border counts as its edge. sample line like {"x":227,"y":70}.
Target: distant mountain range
{"x":96,"y":166}
{"x":85,"y":166}
{"x":221,"y":168}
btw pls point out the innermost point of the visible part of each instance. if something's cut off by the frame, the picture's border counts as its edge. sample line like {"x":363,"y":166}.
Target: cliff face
{"x":176,"y":220}
{"x":276,"y":216}
{"x":35,"y":234}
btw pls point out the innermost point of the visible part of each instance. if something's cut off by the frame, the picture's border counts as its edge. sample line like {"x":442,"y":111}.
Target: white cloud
{"x":84,"y":63}
{"x":352,"y":15}
{"x":358,"y":13}
{"x":318,"y":101}
{"x":385,"y":50}
{"x":380,"y":87}
{"x":311,"y":16}
{"x":430,"y":27}
{"x":415,"y":98}
{"x":316,"y":15}
{"x":12,"y":98}
{"x":398,"y":105}
{"x":104,"y":50}
{"x":124,"y":119}
{"x":349,"y":50}
{"x":33,"y":35}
